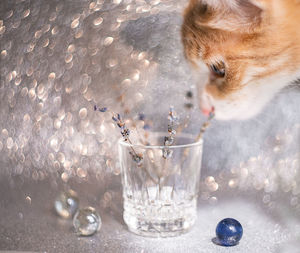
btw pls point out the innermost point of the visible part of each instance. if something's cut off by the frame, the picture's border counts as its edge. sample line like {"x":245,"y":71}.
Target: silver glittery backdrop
{"x":60,"y":58}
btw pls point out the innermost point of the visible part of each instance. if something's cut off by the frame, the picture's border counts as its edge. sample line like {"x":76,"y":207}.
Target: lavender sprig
{"x":188,"y":106}
{"x":125,"y":132}
{"x":205,"y":125}
{"x":116,"y":117}
{"x":169,"y":140}
{"x":136,"y":157}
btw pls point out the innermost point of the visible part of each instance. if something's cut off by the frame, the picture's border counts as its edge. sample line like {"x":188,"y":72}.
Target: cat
{"x":250,"y":50}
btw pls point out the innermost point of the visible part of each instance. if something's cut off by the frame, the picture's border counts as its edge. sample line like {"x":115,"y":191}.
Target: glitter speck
{"x":26,"y":13}
{"x":40,"y":89}
{"x":57,"y":123}
{"x":28,"y":200}
{"x":139,"y":97}
{"x":45,"y":43}
{"x":9,"y":14}
{"x":75,"y":23}
{"x":51,"y":76}
{"x":213,"y":200}
{"x":9,"y":143}
{"x":209,"y":180}
{"x":4,"y":132}
{"x":136,"y":75}
{"x":3,"y":53}
{"x":54,"y":143}
{"x":68,"y":58}
{"x":155,"y":2}
{"x":61,"y":157}
{"x":52,"y":16}
{"x":142,"y":55}
{"x":64,"y":177}
{"x":232,"y":183}
{"x":126,"y":82}
{"x":54,"y":30}
{"x":98,"y":21}
{"x":92,"y":5}
{"x":117,"y":1}
{"x":26,"y":117}
{"x":83,"y":113}
{"x":81,"y":172}
{"x":2,"y":29}
{"x":112,"y":63}
{"x":108,"y":41}
{"x":71,"y":48}
{"x":79,"y":34}
{"x":38,"y":34}
{"x":18,"y":81}
{"x":46,"y":28}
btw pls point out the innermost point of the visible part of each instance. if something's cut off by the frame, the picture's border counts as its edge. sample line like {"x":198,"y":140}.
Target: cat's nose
{"x":207,"y":111}
{"x":206,"y":104}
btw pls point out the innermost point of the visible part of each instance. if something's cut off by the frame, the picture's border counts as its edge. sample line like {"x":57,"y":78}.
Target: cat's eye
{"x":218,"y":71}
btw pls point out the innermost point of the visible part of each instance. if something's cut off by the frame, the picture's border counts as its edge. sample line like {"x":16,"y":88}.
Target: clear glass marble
{"x":87,"y":221}
{"x":160,"y":193}
{"x":66,"y":204}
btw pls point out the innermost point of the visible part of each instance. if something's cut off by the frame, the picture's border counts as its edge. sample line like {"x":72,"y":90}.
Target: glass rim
{"x":191,"y":136}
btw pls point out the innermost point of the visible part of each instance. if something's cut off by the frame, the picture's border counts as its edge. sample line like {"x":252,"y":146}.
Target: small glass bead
{"x":87,"y":221}
{"x":229,"y":232}
{"x":66,"y":204}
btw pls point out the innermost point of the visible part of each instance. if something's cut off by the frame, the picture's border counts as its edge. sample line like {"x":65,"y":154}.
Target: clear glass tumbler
{"x":160,"y":185}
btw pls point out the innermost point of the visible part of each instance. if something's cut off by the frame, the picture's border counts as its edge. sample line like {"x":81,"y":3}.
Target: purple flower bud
{"x":125,"y":132}
{"x":137,"y":158}
{"x":103,"y":109}
{"x":141,"y":116}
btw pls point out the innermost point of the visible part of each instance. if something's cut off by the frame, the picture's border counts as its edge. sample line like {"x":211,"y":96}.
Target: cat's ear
{"x":229,"y":15}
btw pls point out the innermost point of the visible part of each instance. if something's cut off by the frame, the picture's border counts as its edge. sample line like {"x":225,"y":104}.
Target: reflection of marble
{"x":35,"y":226}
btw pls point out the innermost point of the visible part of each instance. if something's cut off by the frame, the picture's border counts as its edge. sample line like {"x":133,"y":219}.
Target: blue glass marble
{"x":229,"y":232}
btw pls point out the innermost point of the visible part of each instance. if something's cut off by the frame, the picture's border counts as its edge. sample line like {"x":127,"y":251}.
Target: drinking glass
{"x":160,"y":184}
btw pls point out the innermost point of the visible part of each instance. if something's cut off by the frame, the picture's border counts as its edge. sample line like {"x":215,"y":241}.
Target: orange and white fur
{"x":251,"y":50}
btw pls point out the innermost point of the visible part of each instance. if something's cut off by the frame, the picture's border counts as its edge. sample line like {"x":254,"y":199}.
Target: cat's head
{"x":246,"y":55}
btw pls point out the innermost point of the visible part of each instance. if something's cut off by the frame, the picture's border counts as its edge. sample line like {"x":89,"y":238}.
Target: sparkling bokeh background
{"x":60,"y":58}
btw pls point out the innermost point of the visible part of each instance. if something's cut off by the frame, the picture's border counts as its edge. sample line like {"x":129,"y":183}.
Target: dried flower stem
{"x":205,"y":125}
{"x":138,"y":158}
